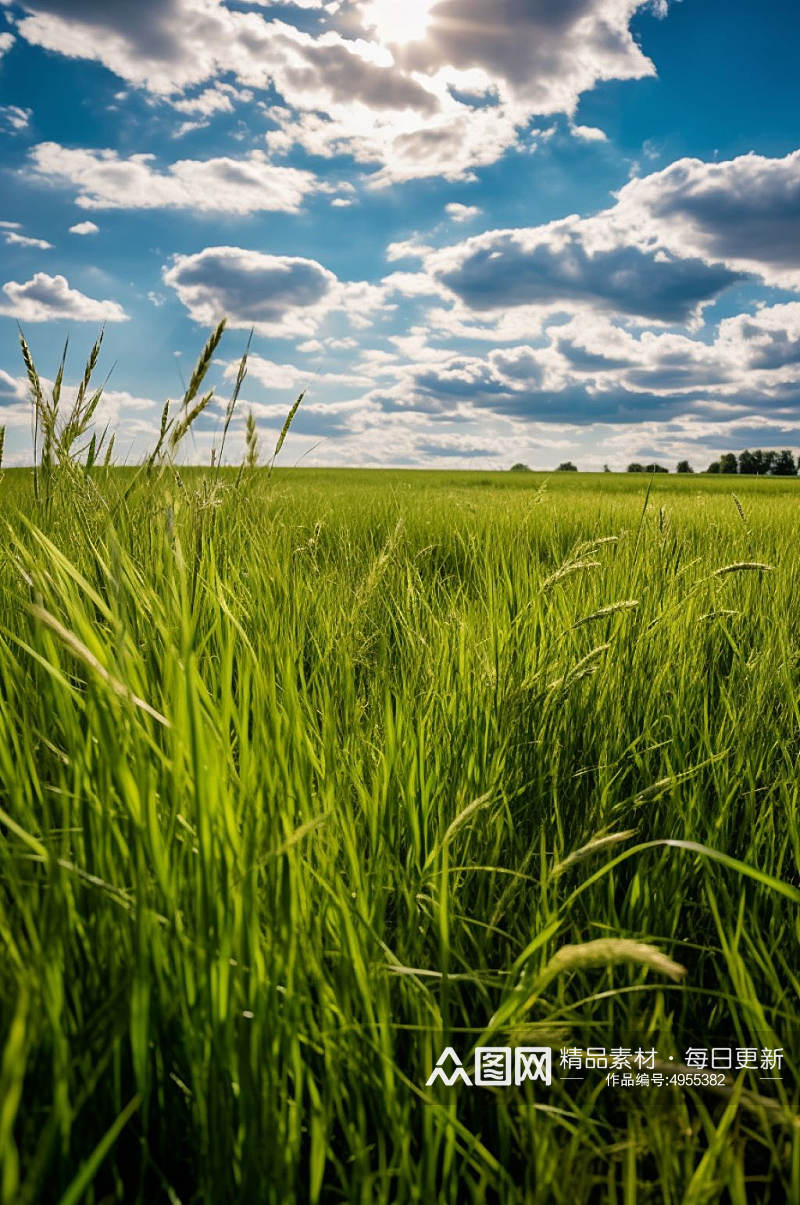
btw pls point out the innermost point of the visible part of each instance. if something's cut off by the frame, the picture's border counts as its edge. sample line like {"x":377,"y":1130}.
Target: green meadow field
{"x":308,"y":775}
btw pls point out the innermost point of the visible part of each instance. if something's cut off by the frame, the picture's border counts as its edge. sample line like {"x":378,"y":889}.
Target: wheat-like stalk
{"x":186,"y":420}
{"x":285,"y":431}
{"x":606,"y":952}
{"x":740,"y":509}
{"x":628,"y":604}
{"x":251,"y":441}
{"x":567,"y":571}
{"x":203,"y":364}
{"x":586,"y":665}
{"x":594,"y":846}
{"x":240,"y":376}
{"x":743,"y":567}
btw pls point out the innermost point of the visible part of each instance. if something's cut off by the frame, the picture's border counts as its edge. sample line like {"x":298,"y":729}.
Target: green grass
{"x":304,"y":777}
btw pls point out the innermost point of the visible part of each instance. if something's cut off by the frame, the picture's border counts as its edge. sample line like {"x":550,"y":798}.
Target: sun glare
{"x":400,"y":20}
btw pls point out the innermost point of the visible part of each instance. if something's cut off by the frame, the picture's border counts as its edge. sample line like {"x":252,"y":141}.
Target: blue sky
{"x":476,"y":231}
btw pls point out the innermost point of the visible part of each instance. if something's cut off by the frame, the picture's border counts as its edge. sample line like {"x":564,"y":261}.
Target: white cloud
{"x":6,"y":42}
{"x":23,"y":240}
{"x":220,"y":98}
{"x":744,"y":212}
{"x":105,"y":180}
{"x":462,"y":213}
{"x":589,"y":133}
{"x":13,"y":119}
{"x":669,"y":246}
{"x":608,"y":389}
{"x":46,"y":298}
{"x":161,"y":46}
{"x":407,"y":249}
{"x":291,"y":377}
{"x":539,"y":53}
{"x":410,"y":284}
{"x":768,"y":340}
{"x":84,"y":228}
{"x":356,"y":82}
{"x":270,"y":292}
{"x":188,"y":127}
{"x":278,"y":295}
{"x":575,"y":262}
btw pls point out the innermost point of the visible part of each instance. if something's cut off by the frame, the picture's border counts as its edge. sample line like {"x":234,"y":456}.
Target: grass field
{"x":305,"y":777}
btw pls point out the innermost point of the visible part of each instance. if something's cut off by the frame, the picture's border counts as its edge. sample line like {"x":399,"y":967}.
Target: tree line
{"x":759,"y":463}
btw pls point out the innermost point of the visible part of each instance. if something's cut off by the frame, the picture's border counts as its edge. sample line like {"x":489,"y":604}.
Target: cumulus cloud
{"x":143,"y":43}
{"x":565,"y":263}
{"x":13,"y":239}
{"x":291,"y":377}
{"x":519,"y":384}
{"x":84,"y":228}
{"x":13,"y":119}
{"x":349,"y":83}
{"x":6,"y":42}
{"x":251,"y":288}
{"x":462,"y":213}
{"x":402,"y":146}
{"x":106,"y":180}
{"x":595,"y":369}
{"x":670,"y":245}
{"x":589,"y":133}
{"x":169,"y":46}
{"x":46,"y":298}
{"x":767,"y":340}
{"x":411,"y":248}
{"x":542,"y":53}
{"x":744,"y":212}
{"x":278,"y":295}
{"x":221,"y":98}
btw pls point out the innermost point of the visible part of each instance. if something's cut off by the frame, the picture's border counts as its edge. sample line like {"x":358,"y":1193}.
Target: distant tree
{"x":713,"y":467}
{"x":784,"y":465}
{"x":655,"y":468}
{"x":761,"y":462}
{"x":748,"y":461}
{"x":606,"y":469}
{"x":684,"y":467}
{"x":727,"y":463}
{"x":635,"y":468}
{"x":520,"y":468}
{"x":758,"y":462}
{"x":567,"y":467}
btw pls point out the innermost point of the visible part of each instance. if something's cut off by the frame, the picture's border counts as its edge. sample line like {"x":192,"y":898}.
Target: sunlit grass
{"x":304,"y":777}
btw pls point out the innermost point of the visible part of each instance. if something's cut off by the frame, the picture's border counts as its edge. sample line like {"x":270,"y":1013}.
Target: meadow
{"x":306,"y":775}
